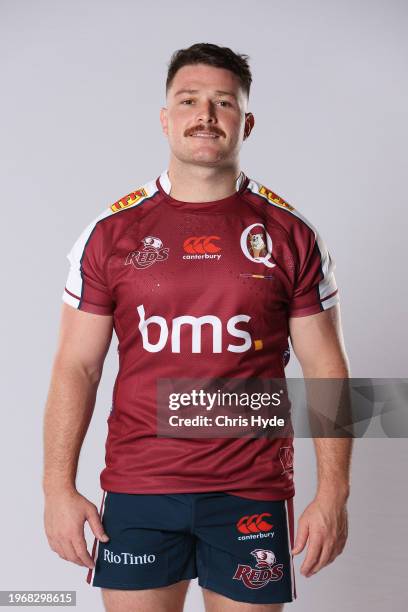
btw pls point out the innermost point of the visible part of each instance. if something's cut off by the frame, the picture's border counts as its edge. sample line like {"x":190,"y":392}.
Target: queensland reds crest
{"x":151,"y":252}
{"x":256,"y":244}
{"x":266,"y":570}
{"x":286,"y":458}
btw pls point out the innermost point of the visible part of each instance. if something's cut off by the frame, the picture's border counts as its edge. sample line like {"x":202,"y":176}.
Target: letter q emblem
{"x":256,"y":244}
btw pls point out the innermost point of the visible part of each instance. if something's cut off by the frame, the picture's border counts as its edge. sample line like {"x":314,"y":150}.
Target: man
{"x":202,"y":272}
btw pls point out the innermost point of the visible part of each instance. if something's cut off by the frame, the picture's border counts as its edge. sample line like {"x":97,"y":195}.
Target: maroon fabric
{"x":136,"y":258}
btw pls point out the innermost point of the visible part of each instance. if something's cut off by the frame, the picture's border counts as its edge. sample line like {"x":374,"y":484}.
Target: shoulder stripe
{"x":272,"y":198}
{"x":327,"y":264}
{"x":277,"y":201}
{"x":131,"y":200}
{"x":74,"y":290}
{"x":135,"y":198}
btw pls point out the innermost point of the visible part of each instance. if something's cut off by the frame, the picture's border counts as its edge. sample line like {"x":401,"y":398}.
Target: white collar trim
{"x":166,"y":185}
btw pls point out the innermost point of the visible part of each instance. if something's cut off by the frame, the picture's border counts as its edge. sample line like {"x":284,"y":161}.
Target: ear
{"x":163,"y":120}
{"x":249,"y":124}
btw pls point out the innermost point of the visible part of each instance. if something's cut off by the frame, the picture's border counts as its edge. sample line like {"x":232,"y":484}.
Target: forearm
{"x":333,"y":454}
{"x":68,"y":411}
{"x":333,"y":457}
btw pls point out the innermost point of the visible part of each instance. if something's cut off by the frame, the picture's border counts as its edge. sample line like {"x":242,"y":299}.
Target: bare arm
{"x":83,"y":343}
{"x":318,"y":344}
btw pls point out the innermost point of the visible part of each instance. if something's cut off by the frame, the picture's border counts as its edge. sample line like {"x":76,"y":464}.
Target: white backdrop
{"x":82,"y":85}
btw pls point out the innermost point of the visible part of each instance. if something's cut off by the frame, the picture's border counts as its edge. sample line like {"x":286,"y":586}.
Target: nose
{"x":206,"y":112}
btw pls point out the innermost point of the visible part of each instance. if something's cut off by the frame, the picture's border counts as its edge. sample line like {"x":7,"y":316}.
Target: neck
{"x":194,"y":183}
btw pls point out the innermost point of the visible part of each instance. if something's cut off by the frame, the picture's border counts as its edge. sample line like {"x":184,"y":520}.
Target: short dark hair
{"x":212,"y":55}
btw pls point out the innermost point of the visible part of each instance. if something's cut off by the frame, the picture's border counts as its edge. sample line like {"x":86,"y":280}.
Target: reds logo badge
{"x":266,"y":570}
{"x":151,"y":252}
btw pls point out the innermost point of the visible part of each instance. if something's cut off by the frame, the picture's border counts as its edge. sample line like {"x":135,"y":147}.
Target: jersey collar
{"x":165,"y":184}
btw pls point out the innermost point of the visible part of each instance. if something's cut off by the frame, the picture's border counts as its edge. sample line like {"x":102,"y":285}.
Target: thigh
{"x":149,"y":545}
{"x":244,"y":549}
{"x":162,"y":599}
{"x":214,"y":602}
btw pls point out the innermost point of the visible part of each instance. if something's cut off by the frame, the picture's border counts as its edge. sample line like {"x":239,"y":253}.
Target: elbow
{"x":327,"y":369}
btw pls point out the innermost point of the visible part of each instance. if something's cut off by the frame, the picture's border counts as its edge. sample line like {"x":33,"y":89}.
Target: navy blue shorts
{"x":236,"y":546}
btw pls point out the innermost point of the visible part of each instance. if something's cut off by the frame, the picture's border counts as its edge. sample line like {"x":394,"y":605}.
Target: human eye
{"x":224,"y":103}
{"x":187,"y":101}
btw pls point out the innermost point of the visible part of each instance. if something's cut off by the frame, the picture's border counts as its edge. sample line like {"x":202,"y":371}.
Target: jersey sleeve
{"x":315,"y":288}
{"x":87,"y":287}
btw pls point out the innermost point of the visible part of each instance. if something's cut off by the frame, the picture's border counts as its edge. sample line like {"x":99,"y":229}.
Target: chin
{"x":206,"y":158}
{"x":200,"y":156}
{"x":207,"y":153}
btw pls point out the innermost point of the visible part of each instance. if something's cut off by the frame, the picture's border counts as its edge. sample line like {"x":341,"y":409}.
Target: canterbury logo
{"x":201,"y":244}
{"x":254,"y":523}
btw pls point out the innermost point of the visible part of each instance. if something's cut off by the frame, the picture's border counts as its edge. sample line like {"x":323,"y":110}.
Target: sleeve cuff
{"x":73,"y":300}
{"x":324,"y":304}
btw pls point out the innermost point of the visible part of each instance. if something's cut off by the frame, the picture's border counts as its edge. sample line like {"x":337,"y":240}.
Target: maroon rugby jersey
{"x":199,"y":290}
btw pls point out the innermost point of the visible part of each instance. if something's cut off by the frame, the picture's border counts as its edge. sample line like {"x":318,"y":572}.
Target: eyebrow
{"x":194,"y":91}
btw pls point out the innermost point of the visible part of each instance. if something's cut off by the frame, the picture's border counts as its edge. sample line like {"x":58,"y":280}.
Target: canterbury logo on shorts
{"x":254,"y":523}
{"x":201,"y":244}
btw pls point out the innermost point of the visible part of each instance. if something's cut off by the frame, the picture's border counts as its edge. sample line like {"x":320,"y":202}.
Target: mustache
{"x":199,"y":128}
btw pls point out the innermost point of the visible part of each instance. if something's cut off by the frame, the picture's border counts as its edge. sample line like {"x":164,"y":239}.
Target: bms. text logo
{"x":172,"y":333}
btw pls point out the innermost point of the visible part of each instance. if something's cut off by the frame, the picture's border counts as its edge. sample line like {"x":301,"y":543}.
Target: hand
{"x":64,"y":516}
{"x":324,"y":522}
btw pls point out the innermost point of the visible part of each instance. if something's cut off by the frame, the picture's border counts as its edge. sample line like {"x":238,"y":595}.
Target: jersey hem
{"x":279,"y":498}
{"x":260,"y":495}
